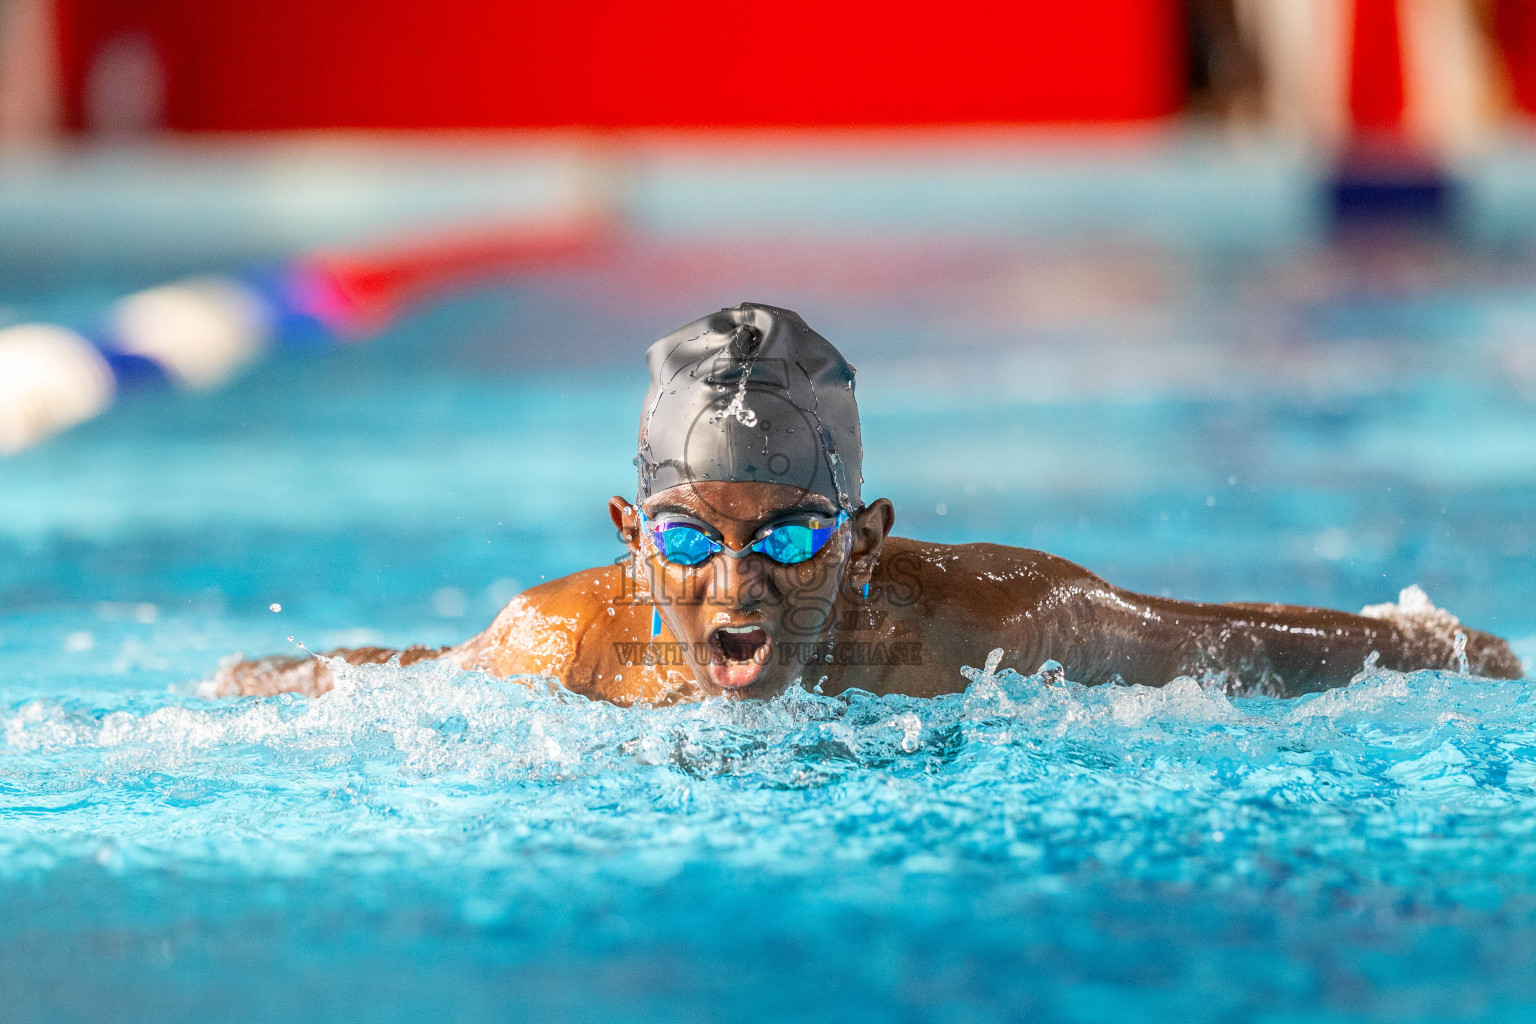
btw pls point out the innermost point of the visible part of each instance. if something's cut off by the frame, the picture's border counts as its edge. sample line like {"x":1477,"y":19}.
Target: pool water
{"x":1323,"y":425}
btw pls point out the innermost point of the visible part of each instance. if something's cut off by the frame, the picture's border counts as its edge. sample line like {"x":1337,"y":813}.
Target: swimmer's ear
{"x":625,"y":516}
{"x":870,"y":528}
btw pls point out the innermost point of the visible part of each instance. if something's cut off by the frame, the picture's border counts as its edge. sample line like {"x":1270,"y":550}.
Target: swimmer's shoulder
{"x":979,"y":574}
{"x":542,"y":630}
{"x":962,"y":600}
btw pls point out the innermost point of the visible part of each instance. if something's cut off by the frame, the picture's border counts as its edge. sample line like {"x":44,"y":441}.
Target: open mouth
{"x":738,"y":655}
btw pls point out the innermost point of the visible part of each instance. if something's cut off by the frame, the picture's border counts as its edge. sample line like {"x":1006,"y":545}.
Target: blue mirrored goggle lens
{"x":790,"y":544}
{"x":793,"y":543}
{"x":684,"y":545}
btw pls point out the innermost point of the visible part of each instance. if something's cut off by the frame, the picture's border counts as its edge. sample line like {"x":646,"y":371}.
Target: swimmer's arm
{"x":308,"y":676}
{"x":1280,"y":649}
{"x":503,"y":649}
{"x":538,"y":633}
{"x":1405,"y":641}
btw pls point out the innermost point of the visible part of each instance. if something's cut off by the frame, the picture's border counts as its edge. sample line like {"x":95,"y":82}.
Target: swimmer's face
{"x":750,"y":625}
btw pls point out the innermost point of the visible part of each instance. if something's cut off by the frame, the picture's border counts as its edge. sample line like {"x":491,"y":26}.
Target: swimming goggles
{"x":790,"y":542}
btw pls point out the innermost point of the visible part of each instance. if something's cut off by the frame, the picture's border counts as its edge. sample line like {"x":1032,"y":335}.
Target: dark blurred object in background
{"x":1226,"y":76}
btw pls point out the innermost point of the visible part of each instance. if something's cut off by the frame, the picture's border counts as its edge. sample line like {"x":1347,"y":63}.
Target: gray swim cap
{"x":751,"y":394}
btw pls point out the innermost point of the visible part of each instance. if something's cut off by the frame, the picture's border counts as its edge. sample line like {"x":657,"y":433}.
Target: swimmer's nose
{"x":740,"y":583}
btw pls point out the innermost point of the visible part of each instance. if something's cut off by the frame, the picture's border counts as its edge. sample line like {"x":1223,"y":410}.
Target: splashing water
{"x":1365,"y":852}
{"x":429,"y":845}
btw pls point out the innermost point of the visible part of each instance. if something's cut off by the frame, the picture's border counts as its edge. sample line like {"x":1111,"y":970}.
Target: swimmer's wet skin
{"x":753,"y":563}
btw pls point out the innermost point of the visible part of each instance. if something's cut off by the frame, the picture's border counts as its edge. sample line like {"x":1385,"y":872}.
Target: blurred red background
{"x":273,"y":64}
{"x":235,"y":65}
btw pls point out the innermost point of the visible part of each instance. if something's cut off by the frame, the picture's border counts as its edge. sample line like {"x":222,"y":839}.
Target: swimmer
{"x":752,"y":562}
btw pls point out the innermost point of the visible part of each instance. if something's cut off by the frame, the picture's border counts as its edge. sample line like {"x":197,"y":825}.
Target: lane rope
{"x":198,"y":333}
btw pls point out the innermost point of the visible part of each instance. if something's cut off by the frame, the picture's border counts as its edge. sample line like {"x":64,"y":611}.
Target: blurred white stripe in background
{"x":183,"y":205}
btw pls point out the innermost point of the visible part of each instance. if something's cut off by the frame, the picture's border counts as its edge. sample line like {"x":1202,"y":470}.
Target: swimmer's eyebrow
{"x":805,"y":509}
{"x":672,"y":507}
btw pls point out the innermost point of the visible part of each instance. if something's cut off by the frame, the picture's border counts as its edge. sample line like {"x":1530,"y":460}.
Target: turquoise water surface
{"x":1323,"y":425}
